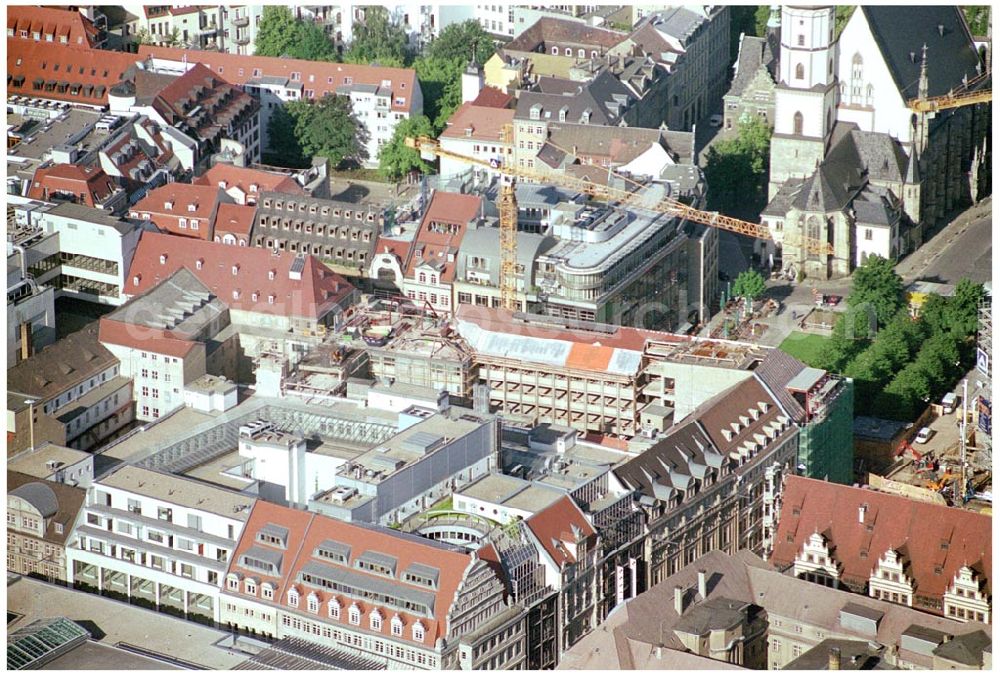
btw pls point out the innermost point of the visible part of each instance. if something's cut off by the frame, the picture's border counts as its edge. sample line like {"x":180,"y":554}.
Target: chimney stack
{"x":861,"y":513}
{"x":702,"y":585}
{"x":833,"y":663}
{"x":679,"y":600}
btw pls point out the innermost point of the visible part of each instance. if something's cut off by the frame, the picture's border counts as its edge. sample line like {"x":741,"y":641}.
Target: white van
{"x":948,"y":402}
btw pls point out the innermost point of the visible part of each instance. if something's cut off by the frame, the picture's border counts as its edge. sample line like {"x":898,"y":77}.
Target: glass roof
{"x":28,"y":647}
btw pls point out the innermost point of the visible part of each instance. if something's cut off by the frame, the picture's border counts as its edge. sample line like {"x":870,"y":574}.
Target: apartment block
{"x":41,"y":517}
{"x":159,"y":541}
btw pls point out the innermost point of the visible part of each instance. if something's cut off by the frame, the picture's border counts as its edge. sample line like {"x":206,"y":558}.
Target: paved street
{"x":963,"y":248}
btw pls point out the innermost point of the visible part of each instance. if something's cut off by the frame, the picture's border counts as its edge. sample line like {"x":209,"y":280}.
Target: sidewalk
{"x":120,"y":622}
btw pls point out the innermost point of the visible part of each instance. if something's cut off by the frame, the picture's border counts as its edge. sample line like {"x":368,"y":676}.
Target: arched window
{"x":312,"y":603}
{"x":375,"y":620}
{"x":418,"y":632}
{"x":354,"y":614}
{"x":812,"y":228}
{"x":333,"y":608}
{"x":800,"y":72}
{"x":293,"y":598}
{"x":569,"y":51}
{"x":857,"y":66}
{"x":797,"y":123}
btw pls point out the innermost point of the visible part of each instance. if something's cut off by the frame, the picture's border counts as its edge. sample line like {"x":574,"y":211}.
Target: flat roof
{"x":42,"y":139}
{"x":181,"y":491}
{"x":93,"y":656}
{"x":806,"y":379}
{"x":35,"y":462}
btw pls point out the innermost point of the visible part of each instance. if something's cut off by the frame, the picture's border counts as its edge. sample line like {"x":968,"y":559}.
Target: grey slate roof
{"x":40,"y":496}
{"x":822,"y":192}
{"x":873,"y":208}
{"x":776,"y":371}
{"x":965,"y":649}
{"x":901,"y":29}
{"x":712,"y":615}
{"x":754,"y":53}
{"x":92,"y":215}
{"x":672,"y":462}
{"x":783,"y":199}
{"x":485,"y":243}
{"x":73,"y":359}
{"x":600,"y":96}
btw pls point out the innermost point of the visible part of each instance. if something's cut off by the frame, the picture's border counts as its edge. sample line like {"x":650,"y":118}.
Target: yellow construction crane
{"x":430,"y":148}
{"x":947,"y":101}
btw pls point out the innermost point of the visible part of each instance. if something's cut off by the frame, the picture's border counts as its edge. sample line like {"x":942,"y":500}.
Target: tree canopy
{"x":736,"y":171}
{"x":395,"y":159}
{"x":378,"y":40}
{"x":467,"y":41}
{"x":281,"y":34}
{"x":977,"y":16}
{"x":877,"y":285}
{"x":326,"y":127}
{"x":749,"y":284}
{"x":441,"y":83}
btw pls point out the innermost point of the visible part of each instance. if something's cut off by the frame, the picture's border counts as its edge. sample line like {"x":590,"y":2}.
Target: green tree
{"x":396,"y":159}
{"x":749,"y":284}
{"x":760,"y":18}
{"x":841,"y":17}
{"x":377,"y":40}
{"x":281,"y":34}
{"x":850,"y":336}
{"x":441,"y":83}
{"x":977,"y":16}
{"x":284,"y":148}
{"x":877,"y":285}
{"x":741,"y":20}
{"x":736,"y":171}
{"x":963,"y":307}
{"x":466,"y":41}
{"x":327,"y":127}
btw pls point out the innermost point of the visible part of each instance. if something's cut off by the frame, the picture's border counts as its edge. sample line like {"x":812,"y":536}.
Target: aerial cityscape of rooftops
{"x":499,"y":337}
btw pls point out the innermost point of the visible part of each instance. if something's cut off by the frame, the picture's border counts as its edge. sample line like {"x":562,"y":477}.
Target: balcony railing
{"x":241,"y":21}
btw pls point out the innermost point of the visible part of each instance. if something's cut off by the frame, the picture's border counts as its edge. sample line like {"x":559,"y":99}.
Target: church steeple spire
{"x":922,"y":85}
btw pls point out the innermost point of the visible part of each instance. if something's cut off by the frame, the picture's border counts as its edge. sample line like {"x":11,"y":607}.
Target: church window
{"x":802,"y":41}
{"x":813,"y":228}
{"x":797,"y":129}
{"x":800,"y":72}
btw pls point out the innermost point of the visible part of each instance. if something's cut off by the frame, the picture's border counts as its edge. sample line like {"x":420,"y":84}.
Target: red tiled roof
{"x":244,"y":178}
{"x":74,"y":180}
{"x":180,"y":198}
{"x":553,"y":526}
{"x":890,"y":522}
{"x":312,"y":296}
{"x":398,"y":248}
{"x":308,"y":530}
{"x":321,"y":76}
{"x":445,"y":208}
{"x":69,"y":23}
{"x":734,"y":403}
{"x":236,"y":220}
{"x":149,"y":339}
{"x":492,"y":97}
{"x":484,"y":122}
{"x":201,"y":100}
{"x":90,"y":72}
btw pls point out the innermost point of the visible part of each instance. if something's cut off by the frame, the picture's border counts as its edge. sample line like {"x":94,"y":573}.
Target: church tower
{"x":806,"y":93}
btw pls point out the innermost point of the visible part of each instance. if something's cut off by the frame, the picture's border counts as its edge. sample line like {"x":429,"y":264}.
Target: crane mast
{"x":508,"y":246}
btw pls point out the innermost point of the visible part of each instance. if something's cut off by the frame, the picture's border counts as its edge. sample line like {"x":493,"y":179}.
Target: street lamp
{"x":31,"y":420}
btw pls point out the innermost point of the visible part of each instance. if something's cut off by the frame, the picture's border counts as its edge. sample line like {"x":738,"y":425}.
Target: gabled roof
{"x":619,"y":145}
{"x":308,"y":531}
{"x":164,"y":342}
{"x":547,"y":32}
{"x":734,"y":407}
{"x":246,"y":178}
{"x":754,"y":54}
{"x":47,"y":70}
{"x":50,"y":21}
{"x":321,"y":76}
{"x":453,"y":209}
{"x":59,"y":504}
{"x":604,"y":99}
{"x":776,"y":371}
{"x":170,"y":202}
{"x":481,"y":123}
{"x":562,"y":521}
{"x":491,"y":97}
{"x":937,"y":540}
{"x":73,"y":359}
{"x":317,"y":291}
{"x":902,"y":30}
{"x":234,"y":220}
{"x":72,"y":180}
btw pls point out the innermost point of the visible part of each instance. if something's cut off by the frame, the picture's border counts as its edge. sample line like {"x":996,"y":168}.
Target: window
{"x":233,"y":582}
{"x":187,"y":571}
{"x":333,"y":608}
{"x":182,"y":222}
{"x":312,"y":603}
{"x":396,"y":626}
{"x":868,"y":234}
{"x":418,"y":632}
{"x":293,"y":598}
{"x":801,"y":40}
{"x":250,"y":586}
{"x":354,"y":615}
{"x":375,"y":620}
{"x":797,"y":123}
{"x":800,"y":72}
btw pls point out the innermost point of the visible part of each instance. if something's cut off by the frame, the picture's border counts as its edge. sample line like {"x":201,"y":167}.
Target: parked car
{"x":923,"y":435}
{"x":715,"y":120}
{"x":948,"y":402}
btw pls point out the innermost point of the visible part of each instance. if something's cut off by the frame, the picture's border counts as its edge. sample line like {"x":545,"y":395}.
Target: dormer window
{"x":354,"y":615}
{"x":312,"y":603}
{"x":270,"y":274}
{"x":253,"y":188}
{"x":192,"y":207}
{"x":333,"y":608}
{"x":136,"y":279}
{"x":250,"y":587}
{"x":236,"y":269}
{"x":267,"y":591}
{"x":163,"y":258}
{"x":418,"y":632}
{"x":396,"y":626}
{"x":168,"y":205}
{"x":199,"y":264}
{"x":233,"y":581}
{"x":375,"y":620}
{"x":236,"y":294}
{"x":254,"y":296}
{"x":293,"y":597}
{"x":270,"y":298}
